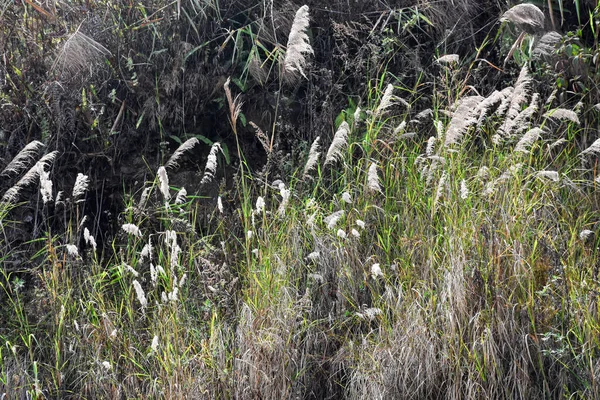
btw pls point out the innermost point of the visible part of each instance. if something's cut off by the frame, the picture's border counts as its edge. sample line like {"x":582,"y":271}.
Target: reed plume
{"x":340,"y":140}
{"x":172,"y":163}
{"x":298,"y":46}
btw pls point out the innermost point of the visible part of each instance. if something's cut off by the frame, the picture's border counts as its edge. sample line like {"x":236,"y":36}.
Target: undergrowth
{"x":447,"y":252}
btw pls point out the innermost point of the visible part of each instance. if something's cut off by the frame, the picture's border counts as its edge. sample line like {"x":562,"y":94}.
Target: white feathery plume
{"x":89,"y":239}
{"x":355,"y":233}
{"x":132,"y":270}
{"x":12,"y":194}
{"x":211,"y":164}
{"x":333,"y":219}
{"x":72,"y":250}
{"x":154,"y":345}
{"x":181,"y":196}
{"x":220,"y":204}
{"x":440,"y":189}
{"x":356,"y":116}
{"x":518,"y":98}
{"x":376,"y":271}
{"x":285,"y":198}
{"x":340,"y":140}
{"x":132,"y":230}
{"x":153,"y":274}
{"x":346,"y":198}
{"x":551,"y":175}
{"x":528,"y":139}
{"x":141,"y":296}
{"x":400,"y":128}
{"x":163,"y":180}
{"x":81,"y":184}
{"x":187,"y":145}
{"x":563,"y":114}
{"x":23,"y":159}
{"x":505,"y":99}
{"x":439,"y":128}
{"x":584,"y":234}
{"x":373,"y":178}
{"x":341,"y":234}
{"x":298,"y":45}
{"x":260,"y":205}
{"x":449,"y":59}
{"x":465,"y":116}
{"x":386,"y":100}
{"x":593,"y":149}
{"x":430,"y":146}
{"x":45,"y":186}
{"x":313,"y":157}
{"x":360,"y":223}
{"x":464,"y":190}
{"x":146,"y":250}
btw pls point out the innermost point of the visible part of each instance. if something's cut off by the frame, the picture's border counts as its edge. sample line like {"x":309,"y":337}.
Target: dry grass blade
{"x":297,"y":46}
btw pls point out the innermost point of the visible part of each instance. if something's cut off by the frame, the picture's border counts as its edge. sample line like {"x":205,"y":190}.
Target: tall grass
{"x":456,"y":262}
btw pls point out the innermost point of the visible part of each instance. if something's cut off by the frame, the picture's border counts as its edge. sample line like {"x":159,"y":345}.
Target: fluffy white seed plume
{"x":440,"y":189}
{"x":260,"y":205}
{"x":146,"y":251}
{"x":132,"y":230}
{"x":181,"y":196}
{"x":187,"y":145}
{"x":163,"y":180}
{"x":81,"y":184}
{"x":340,"y":140}
{"x":45,"y":186}
{"x":89,"y":239}
{"x":464,"y":190}
{"x":528,"y":139}
{"x":346,"y":198}
{"x":360,"y":223}
{"x":355,"y":233}
{"x":12,"y":194}
{"x":550,"y":175}
{"x":449,"y":59}
{"x":285,"y":198}
{"x":72,"y":250}
{"x":562,"y":114}
{"x":154,"y":345}
{"x":519,"y":97}
{"x":376,"y":271}
{"x":584,"y":234}
{"x":341,"y":234}
{"x":386,"y":100}
{"x":373,"y":179}
{"x":313,"y":157}
{"x":430,"y":146}
{"x":220,"y":204}
{"x":593,"y":149}
{"x":153,"y":274}
{"x":333,"y":219}
{"x":356,"y":116}
{"x":211,"y":164}
{"x":399,"y":130}
{"x":249,"y":235}
{"x":23,"y":159}
{"x":131,"y":270}
{"x":527,"y":17}
{"x":465,"y":116}
{"x":298,"y":46}
{"x":139,"y":292}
